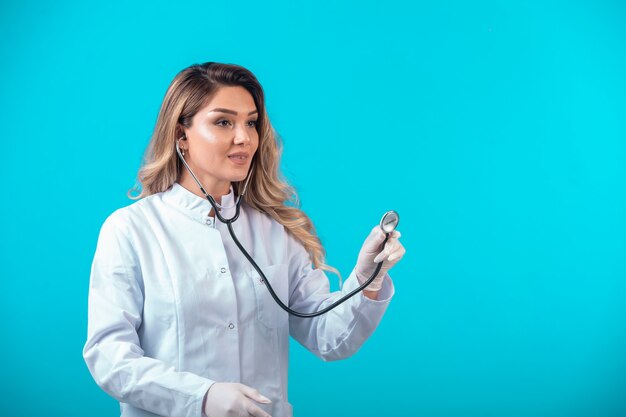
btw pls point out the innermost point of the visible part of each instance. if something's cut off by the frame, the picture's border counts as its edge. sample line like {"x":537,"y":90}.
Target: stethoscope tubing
{"x":229,"y":224}
{"x":279,"y":301}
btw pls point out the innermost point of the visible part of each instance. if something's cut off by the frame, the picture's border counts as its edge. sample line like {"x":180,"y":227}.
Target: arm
{"x":341,"y":332}
{"x":112,"y":351}
{"x":372,"y":295}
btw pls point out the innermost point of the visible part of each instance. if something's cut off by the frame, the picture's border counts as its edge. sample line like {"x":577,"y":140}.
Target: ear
{"x":180,"y":131}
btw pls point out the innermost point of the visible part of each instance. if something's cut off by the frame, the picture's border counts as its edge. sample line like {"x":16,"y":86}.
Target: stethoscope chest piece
{"x":390,"y":221}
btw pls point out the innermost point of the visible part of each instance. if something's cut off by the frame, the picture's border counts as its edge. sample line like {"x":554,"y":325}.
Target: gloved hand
{"x":371,"y":254}
{"x":230,"y":399}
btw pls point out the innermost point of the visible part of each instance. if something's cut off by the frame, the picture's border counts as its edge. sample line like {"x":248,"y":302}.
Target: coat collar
{"x":196,"y":207}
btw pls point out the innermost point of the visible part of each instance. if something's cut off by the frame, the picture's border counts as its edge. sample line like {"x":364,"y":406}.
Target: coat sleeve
{"x":340,"y":332}
{"x":113,"y":351}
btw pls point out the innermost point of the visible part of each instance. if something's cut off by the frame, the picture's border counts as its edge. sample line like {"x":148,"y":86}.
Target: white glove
{"x":371,"y":254}
{"x":231,"y":399}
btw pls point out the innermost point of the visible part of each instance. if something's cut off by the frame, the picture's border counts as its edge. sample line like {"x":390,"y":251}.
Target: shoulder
{"x":263,"y":221}
{"x":281,"y":237}
{"x":132,"y":215}
{"x":266,"y":227}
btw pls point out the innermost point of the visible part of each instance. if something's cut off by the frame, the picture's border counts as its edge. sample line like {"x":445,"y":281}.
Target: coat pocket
{"x":268,"y":311}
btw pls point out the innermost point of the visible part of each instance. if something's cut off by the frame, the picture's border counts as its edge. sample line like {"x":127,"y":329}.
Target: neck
{"x":215,"y":189}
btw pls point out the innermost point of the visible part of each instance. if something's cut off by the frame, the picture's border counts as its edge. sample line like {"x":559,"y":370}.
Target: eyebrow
{"x":219,"y":109}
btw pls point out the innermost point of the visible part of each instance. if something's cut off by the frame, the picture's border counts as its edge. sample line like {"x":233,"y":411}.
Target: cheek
{"x":255,"y":143}
{"x":212,"y":144}
{"x":207,"y":134}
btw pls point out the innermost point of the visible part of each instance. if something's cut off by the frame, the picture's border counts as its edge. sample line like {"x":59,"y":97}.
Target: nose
{"x":242,"y":136}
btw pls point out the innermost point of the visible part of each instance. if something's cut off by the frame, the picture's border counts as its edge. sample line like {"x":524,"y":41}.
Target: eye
{"x":219,"y":122}
{"x":254,"y":122}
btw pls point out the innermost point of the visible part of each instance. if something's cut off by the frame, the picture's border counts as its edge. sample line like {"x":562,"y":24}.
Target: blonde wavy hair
{"x":192,"y":89}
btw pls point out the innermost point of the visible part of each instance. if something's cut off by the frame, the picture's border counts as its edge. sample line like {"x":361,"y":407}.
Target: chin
{"x":242,"y":173}
{"x":238,"y":177}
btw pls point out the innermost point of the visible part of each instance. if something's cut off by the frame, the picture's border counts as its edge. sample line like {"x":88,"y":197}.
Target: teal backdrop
{"x":497,"y":129}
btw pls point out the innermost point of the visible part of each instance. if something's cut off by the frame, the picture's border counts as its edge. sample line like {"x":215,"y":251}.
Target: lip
{"x":239,"y":158}
{"x":244,"y":154}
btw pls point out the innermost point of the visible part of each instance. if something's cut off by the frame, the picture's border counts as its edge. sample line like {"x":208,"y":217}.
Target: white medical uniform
{"x":174,"y":306}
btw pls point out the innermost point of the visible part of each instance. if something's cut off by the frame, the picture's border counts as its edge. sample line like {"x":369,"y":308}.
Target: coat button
{"x":223,"y":270}
{"x":231,"y":326}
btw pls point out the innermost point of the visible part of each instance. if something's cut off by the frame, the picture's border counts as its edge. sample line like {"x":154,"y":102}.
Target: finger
{"x":376,"y":235}
{"x":396,"y":234}
{"x":397,"y":254}
{"x":255,"y":410}
{"x":254,"y":394}
{"x":391,"y":246}
{"x":382,"y":255}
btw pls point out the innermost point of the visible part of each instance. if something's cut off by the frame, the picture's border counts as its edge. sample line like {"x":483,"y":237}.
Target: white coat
{"x":174,"y":306}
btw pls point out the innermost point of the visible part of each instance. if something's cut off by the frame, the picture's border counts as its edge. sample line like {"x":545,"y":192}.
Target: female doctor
{"x":180,"y":324}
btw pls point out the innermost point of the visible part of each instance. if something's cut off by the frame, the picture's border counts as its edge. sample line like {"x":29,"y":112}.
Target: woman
{"x":180,"y":324}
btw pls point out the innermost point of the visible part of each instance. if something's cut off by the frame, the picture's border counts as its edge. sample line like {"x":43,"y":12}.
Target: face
{"x":221,"y":141}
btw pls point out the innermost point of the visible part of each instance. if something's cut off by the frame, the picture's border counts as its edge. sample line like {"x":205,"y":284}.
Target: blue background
{"x":496,"y":129}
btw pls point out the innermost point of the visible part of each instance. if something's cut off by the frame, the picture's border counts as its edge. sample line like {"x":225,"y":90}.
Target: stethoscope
{"x":388,"y":224}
